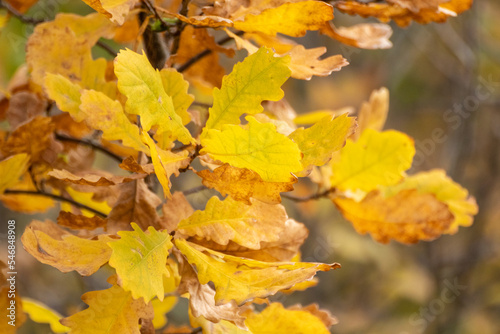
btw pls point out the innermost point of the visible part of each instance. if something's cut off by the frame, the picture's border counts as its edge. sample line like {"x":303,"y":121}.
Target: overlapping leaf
{"x":230,"y":220}
{"x":146,"y":97}
{"x":259,"y":77}
{"x":406,"y":216}
{"x":242,"y":279}
{"x":258,"y":147}
{"x":140,"y":261}
{"x":110,"y":311}
{"x":321,"y":140}
{"x":376,"y":159}
{"x":292,"y":19}
{"x":41,"y":313}
{"x":115,"y":10}
{"x":12,"y":169}
{"x":51,"y":245}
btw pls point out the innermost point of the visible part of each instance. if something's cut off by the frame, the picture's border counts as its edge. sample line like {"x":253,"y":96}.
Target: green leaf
{"x":140,"y":261}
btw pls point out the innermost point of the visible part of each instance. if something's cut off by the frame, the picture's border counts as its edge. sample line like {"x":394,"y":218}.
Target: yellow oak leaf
{"x":63,"y":46}
{"x":408,"y":216}
{"x":41,"y":313}
{"x":102,"y":113}
{"x":146,"y":97}
{"x":136,"y":203}
{"x":161,"y":308}
{"x":116,"y":10}
{"x":242,"y":184}
{"x":177,"y":88}
{"x":110,"y":311}
{"x":435,"y":182}
{"x":276,"y":319}
{"x":257,"y":78}
{"x":321,"y":140}
{"x":51,"y":245}
{"x":65,"y":93}
{"x":257,"y":146}
{"x":226,"y":220}
{"x":221,"y":327}
{"x":12,"y":169}
{"x":290,"y":238}
{"x":292,"y":19}
{"x":165,"y":163}
{"x":86,"y":198}
{"x":242,"y":279}
{"x":376,"y":159}
{"x":373,"y":113}
{"x":140,"y":261}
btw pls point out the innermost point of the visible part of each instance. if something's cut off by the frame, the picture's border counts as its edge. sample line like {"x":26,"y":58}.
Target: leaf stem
{"x":56,"y":197}
{"x":91,"y":144}
{"x":310,"y":197}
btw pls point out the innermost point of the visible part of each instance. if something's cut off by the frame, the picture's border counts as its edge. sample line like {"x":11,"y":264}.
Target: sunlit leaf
{"x":259,"y":77}
{"x":377,"y":158}
{"x":51,"y":245}
{"x":140,"y":261}
{"x":247,"y":225}
{"x":115,"y":10}
{"x":258,"y":147}
{"x":12,"y":169}
{"x":318,"y":142}
{"x":110,"y":311}
{"x":146,"y":97}
{"x":242,"y":279}
{"x":161,"y":308}
{"x":41,"y":313}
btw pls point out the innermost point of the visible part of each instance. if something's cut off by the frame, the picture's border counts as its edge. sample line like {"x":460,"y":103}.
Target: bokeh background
{"x":450,"y":285}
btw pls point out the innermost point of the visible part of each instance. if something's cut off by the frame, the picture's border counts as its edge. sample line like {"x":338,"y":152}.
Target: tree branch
{"x":194,"y":190}
{"x":310,"y":197}
{"x":18,"y":15}
{"x":91,"y":144}
{"x":204,"y":53}
{"x":56,"y":197}
{"x":106,"y":48}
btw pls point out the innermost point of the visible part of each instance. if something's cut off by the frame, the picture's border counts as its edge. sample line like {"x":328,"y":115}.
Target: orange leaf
{"x":406,"y":217}
{"x":242,"y":184}
{"x":79,"y":222}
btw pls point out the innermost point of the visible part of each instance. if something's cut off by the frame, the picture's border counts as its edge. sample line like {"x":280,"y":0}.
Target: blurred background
{"x":440,"y":76}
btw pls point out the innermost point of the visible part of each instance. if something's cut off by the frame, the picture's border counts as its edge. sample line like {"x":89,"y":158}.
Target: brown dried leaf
{"x":176,"y":209}
{"x":93,"y":179}
{"x":80,"y":222}
{"x":373,"y":113}
{"x":364,"y":35}
{"x":202,"y":300}
{"x":406,"y":217}
{"x":137,"y":204}
{"x":23,"y":106}
{"x":242,"y":184}
{"x":133,"y":166}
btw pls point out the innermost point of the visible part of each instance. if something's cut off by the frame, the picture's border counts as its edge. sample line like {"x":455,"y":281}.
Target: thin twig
{"x":310,"y":197}
{"x":106,"y":48}
{"x":18,"y":15}
{"x":56,"y":197}
{"x":200,"y":104}
{"x":91,"y":144}
{"x":180,"y":27}
{"x":194,"y":190}
{"x":204,"y":53}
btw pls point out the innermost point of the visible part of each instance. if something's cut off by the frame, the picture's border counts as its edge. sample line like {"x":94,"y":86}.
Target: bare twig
{"x":310,"y":197}
{"x":56,"y":197}
{"x":204,"y":53}
{"x":106,"y":48}
{"x":91,"y":144}
{"x":194,"y":190}
{"x":19,"y":16}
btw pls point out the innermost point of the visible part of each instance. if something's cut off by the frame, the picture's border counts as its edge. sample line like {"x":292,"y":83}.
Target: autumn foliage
{"x":147,"y":111}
